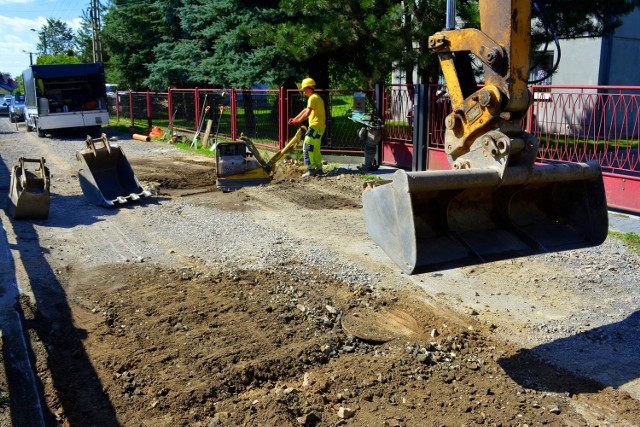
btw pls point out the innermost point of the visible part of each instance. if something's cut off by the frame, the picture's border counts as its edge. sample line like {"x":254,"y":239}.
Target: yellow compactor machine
{"x":496,"y":202}
{"x":239,"y":163}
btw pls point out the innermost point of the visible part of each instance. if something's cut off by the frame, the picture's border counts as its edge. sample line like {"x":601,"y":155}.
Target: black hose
{"x":550,"y":29}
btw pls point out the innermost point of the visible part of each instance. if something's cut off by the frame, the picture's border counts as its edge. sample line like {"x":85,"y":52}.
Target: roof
{"x":7,"y":83}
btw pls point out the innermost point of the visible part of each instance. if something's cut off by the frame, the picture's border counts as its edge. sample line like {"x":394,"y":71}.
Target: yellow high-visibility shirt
{"x":317,"y":118}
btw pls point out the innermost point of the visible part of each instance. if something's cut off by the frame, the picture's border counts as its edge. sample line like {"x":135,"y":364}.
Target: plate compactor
{"x":239,"y":163}
{"x":29,"y":191}
{"x":105,"y":175}
{"x":495,"y":203}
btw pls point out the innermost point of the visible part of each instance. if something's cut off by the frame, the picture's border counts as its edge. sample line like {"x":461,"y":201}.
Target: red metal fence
{"x":572,"y":123}
{"x":601,"y":123}
{"x":259,"y":114}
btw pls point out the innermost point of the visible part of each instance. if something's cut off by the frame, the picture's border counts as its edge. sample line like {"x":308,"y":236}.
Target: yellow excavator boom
{"x":495,"y":203}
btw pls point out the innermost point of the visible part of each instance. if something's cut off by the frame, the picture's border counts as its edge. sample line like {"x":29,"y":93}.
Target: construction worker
{"x":317,"y":124}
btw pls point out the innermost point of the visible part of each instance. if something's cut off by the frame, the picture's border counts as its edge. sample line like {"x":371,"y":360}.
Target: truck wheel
{"x":12,"y":119}
{"x":41,"y":133}
{"x":29,"y":128}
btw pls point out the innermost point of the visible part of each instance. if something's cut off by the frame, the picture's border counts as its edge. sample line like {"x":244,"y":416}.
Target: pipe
{"x":451,"y":15}
{"x":139,"y":137}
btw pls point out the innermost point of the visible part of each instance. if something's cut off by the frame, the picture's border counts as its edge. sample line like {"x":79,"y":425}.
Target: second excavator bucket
{"x":433,"y":220}
{"x":29,"y":190}
{"x":105,"y":175}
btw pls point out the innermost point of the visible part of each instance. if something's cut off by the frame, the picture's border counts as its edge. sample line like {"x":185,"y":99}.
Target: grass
{"x":631,"y":240}
{"x":594,"y":145}
{"x":368,"y":177}
{"x":183,"y":143}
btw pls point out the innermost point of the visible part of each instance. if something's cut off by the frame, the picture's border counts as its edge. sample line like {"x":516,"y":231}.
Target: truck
{"x":65,"y":96}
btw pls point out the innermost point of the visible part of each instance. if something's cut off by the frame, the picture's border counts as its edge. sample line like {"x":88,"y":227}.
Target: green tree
{"x":345,"y":39}
{"x":55,"y":38}
{"x":57,"y":59}
{"x":131,"y":30}
{"x":341,"y":44}
{"x":213,"y":45}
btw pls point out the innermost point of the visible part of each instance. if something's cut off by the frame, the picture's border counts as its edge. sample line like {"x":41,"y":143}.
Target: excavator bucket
{"x":495,"y":203}
{"x":29,"y":190}
{"x":433,"y":220}
{"x":106,"y":177}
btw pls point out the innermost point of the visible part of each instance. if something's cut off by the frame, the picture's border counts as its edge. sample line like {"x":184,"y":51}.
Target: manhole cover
{"x":380,"y":326}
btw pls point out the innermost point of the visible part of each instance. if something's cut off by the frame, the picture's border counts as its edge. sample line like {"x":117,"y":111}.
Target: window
{"x":542,"y":64}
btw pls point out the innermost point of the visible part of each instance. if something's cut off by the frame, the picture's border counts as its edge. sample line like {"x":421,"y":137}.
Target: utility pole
{"x":30,"y":56}
{"x":95,"y":27}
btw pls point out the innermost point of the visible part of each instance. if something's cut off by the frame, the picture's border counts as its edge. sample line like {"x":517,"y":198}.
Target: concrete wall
{"x":624,"y":54}
{"x":579,"y":63}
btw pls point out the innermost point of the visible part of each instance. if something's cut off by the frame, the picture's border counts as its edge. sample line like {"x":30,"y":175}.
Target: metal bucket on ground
{"x":29,"y":190}
{"x":431,"y":220}
{"x":105,"y":175}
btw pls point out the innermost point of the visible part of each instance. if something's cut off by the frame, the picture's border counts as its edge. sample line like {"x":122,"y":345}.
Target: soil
{"x":164,"y":335}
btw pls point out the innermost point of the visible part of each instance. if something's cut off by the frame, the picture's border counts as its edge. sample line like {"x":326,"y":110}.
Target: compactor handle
{"x":290,"y":146}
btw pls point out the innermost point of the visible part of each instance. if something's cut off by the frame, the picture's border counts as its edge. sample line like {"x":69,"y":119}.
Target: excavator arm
{"x":496,"y":202}
{"x":484,"y":128}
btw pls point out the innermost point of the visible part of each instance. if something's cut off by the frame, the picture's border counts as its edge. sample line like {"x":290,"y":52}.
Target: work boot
{"x":312,"y":172}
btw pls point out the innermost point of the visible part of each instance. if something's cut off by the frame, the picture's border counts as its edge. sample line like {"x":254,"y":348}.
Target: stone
{"x":555,"y":410}
{"x":307,"y":379}
{"x":345,"y":413}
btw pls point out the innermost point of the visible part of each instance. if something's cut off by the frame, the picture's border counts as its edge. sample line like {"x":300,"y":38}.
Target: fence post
{"x":170,"y":107}
{"x":117,"y":107}
{"x":196,"y":101}
{"x":287,"y":114}
{"x":234,"y":115}
{"x":133,"y":123}
{"x":528,"y":124}
{"x":282,"y":117}
{"x":419,"y":159}
{"x":149,"y":119}
{"x":379,"y":112}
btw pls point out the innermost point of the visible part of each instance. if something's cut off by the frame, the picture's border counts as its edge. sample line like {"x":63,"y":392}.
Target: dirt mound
{"x":181,"y":173}
{"x":197,"y":347}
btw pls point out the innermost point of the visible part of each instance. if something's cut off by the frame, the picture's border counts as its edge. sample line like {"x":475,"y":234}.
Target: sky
{"x":18,"y":17}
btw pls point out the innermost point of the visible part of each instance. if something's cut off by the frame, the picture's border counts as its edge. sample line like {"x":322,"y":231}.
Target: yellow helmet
{"x":307,"y":82}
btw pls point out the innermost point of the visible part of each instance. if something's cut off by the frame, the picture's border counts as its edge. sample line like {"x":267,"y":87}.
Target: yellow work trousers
{"x":311,"y":149}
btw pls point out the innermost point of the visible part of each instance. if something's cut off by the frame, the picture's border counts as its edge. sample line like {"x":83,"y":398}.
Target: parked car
{"x":17,"y":109}
{"x":4,"y":104}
